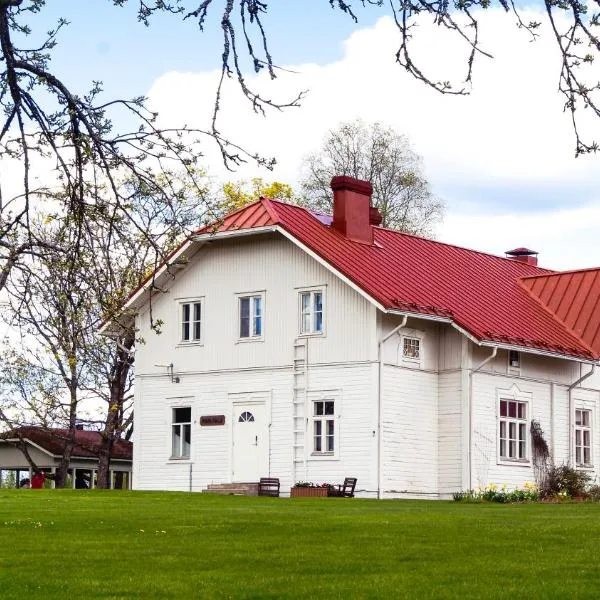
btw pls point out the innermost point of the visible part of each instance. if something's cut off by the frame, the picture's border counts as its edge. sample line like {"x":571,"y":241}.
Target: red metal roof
{"x":480,"y":292}
{"x":54,"y":441}
{"x":573,"y":298}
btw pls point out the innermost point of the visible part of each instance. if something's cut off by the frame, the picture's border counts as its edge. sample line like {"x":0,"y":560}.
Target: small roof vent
{"x":523,"y":255}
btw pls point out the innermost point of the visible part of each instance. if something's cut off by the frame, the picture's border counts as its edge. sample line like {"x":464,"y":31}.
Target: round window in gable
{"x":246,"y":417}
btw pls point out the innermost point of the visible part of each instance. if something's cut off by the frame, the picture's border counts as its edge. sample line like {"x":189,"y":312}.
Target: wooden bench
{"x":268,"y":486}
{"x":346,"y":490}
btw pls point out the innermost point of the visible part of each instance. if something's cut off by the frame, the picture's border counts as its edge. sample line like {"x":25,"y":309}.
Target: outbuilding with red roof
{"x":46,"y":446}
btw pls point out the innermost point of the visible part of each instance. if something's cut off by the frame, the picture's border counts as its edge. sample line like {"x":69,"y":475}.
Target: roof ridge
{"x":569,"y":272}
{"x":554,"y":316}
{"x":472,"y":250}
{"x":222,"y":218}
{"x":421,"y":237}
{"x":267,"y":203}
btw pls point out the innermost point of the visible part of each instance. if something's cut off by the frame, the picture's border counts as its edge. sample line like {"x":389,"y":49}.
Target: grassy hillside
{"x":82,"y":544}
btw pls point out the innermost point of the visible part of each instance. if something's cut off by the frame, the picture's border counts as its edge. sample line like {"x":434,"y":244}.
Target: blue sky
{"x":101,"y":38}
{"x":502,"y":158}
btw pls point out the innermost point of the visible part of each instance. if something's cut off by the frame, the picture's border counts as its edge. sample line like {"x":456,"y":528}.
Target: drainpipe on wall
{"x":473,"y":371}
{"x":572,"y":412}
{"x":384,"y":339}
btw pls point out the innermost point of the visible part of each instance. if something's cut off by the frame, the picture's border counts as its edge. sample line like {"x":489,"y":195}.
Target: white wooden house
{"x":298,"y":346}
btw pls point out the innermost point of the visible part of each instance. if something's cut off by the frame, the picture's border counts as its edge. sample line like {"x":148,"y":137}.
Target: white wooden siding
{"x":266,"y":263}
{"x":549,"y":406}
{"x":426,"y":403}
{"x":213,"y":393}
{"x":410,"y":431}
{"x":450,"y":442}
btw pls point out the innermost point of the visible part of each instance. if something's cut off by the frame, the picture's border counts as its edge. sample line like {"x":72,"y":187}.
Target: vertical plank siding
{"x":425,"y":418}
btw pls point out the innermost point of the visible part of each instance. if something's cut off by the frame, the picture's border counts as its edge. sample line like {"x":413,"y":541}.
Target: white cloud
{"x":510,"y":133}
{"x":566,"y":239}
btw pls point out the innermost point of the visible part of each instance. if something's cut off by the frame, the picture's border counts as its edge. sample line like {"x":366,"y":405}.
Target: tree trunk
{"x":103,"y":481}
{"x":60,"y":476}
{"x":114,"y":419}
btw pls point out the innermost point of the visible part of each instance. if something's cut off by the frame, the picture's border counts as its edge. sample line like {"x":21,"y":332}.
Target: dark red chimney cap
{"x":524,"y":255}
{"x":521,"y":252}
{"x":343,"y":182}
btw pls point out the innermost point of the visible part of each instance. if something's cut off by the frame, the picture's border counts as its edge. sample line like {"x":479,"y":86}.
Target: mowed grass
{"x":94,"y":544}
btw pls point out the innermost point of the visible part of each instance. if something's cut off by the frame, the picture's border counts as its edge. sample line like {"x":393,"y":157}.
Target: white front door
{"x":250,"y":442}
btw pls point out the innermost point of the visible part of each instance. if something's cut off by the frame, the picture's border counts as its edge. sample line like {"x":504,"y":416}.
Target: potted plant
{"x":307,"y":489}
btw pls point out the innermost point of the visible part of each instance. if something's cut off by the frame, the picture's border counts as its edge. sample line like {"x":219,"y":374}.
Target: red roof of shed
{"x":54,"y":442}
{"x":481,"y":293}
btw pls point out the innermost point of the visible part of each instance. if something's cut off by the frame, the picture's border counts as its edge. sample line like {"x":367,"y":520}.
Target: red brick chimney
{"x":353,"y":215}
{"x":523,"y":255}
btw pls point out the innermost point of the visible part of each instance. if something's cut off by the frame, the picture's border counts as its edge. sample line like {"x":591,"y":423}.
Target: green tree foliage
{"x":237,"y":194}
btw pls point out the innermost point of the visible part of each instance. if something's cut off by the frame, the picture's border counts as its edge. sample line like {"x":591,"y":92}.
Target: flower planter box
{"x":308,"y":492}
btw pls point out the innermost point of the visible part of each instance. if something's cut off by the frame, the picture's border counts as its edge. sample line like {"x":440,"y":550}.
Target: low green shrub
{"x":564,"y":482}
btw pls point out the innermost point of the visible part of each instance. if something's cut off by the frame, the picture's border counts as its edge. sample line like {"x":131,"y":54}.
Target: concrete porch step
{"x":233,"y":489}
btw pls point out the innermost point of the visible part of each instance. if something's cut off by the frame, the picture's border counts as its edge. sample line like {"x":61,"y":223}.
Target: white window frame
{"x":581,"y":430}
{"x":411,"y":339}
{"x":181,"y":302}
{"x":312,"y":291}
{"x":324,"y":419}
{"x":411,"y":360}
{"x":252,"y":317}
{"x":179,"y":425}
{"x":514,"y":368}
{"x":524,"y":399}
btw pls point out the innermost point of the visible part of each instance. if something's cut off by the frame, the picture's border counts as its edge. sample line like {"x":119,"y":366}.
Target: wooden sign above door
{"x":211,"y":420}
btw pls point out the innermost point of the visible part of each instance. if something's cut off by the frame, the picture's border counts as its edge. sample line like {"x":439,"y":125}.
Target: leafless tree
{"x":378,"y":154}
{"x":58,"y":302}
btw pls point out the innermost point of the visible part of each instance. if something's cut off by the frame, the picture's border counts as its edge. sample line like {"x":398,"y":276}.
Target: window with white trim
{"x":251,"y":315}
{"x":512,"y":429}
{"x":311,"y":312}
{"x":181,"y":430}
{"x":583,"y":437}
{"x":411,"y":348}
{"x":191,"y":320}
{"x":324,"y":427}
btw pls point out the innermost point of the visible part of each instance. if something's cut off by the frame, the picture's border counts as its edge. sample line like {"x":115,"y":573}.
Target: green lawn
{"x":81,"y":544}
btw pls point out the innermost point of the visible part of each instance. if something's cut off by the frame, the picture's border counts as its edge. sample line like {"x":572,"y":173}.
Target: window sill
{"x":249,"y":340}
{"x":514,"y":462}
{"x":186,"y":344}
{"x":318,"y":456}
{"x":319,"y":334}
{"x":179,"y":459}
{"x":585,"y":467}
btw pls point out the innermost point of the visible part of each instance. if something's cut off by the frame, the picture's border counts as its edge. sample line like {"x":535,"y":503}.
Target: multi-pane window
{"x":323,"y":426}
{"x":311,"y":312}
{"x":411,"y":348}
{"x":181,"y":432}
{"x":513,"y":430}
{"x":583,"y":438}
{"x":191,"y":321}
{"x":251,"y":316}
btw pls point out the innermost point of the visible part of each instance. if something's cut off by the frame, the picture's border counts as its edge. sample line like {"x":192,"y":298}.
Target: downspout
{"x":473,"y":371}
{"x":572,"y":411}
{"x":383,"y":340}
